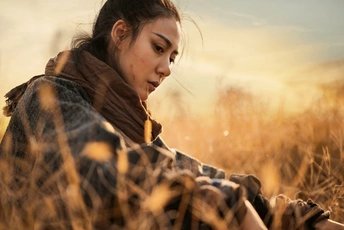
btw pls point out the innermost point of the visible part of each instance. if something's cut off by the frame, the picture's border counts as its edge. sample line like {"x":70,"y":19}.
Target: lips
{"x":152,"y":85}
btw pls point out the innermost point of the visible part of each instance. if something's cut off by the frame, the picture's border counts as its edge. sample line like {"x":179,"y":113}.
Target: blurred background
{"x":259,"y":88}
{"x":280,"y":50}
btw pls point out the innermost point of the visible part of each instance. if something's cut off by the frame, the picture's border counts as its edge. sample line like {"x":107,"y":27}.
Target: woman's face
{"x":147,"y":62}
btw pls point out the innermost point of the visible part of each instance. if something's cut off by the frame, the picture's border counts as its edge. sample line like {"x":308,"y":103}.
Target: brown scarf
{"x":111,"y":96}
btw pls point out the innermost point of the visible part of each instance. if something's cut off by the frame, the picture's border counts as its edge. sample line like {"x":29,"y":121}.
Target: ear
{"x":118,"y":31}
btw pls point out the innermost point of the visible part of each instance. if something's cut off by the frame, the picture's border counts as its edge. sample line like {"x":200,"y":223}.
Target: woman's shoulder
{"x":59,"y":83}
{"x":63,"y":88}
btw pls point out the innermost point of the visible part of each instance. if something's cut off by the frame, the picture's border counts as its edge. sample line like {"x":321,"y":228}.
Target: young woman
{"x":83,"y":152}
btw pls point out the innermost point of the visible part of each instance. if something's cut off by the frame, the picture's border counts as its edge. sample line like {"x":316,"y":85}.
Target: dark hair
{"x":135,"y":13}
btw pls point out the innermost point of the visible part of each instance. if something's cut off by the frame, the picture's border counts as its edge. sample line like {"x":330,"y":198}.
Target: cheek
{"x":138,"y":69}
{"x":132,"y":70}
{"x":144,"y":64}
{"x":146,"y":56}
{"x":142,"y":60}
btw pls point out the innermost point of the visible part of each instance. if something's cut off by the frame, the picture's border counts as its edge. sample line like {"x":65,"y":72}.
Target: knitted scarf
{"x":110,"y":95}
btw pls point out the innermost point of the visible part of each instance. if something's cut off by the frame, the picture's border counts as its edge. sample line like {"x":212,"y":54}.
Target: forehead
{"x":168,"y":27}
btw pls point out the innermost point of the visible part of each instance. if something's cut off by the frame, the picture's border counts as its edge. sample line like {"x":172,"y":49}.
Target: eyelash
{"x":161,"y":50}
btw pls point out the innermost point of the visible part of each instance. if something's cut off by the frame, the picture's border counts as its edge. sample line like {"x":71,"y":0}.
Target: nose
{"x":164,"y":68}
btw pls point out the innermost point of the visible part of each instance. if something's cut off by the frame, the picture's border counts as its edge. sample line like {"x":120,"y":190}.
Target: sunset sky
{"x":268,"y":47}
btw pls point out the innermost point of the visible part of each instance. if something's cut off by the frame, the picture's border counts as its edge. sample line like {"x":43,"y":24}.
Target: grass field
{"x":300,"y":155}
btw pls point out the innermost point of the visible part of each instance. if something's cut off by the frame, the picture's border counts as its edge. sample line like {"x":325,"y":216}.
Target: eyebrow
{"x":168,"y":42}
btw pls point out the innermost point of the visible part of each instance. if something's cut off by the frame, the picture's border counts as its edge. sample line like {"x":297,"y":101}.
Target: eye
{"x":172,"y":60}
{"x":159,"y":48}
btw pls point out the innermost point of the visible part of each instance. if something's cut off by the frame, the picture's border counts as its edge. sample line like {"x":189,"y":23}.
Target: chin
{"x":144,"y":98}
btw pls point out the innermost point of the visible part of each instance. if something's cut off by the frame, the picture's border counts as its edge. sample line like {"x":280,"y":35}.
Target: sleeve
{"x":251,"y":186}
{"x":187,"y":162}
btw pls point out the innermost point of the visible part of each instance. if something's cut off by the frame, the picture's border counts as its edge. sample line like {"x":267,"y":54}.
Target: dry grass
{"x":300,"y":155}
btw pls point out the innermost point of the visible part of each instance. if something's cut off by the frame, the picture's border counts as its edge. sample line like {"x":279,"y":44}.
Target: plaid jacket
{"x":64,"y":167}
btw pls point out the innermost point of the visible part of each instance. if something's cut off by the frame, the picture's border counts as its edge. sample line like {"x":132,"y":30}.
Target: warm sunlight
{"x":270,"y":57}
{"x":257,"y":90}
